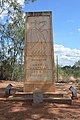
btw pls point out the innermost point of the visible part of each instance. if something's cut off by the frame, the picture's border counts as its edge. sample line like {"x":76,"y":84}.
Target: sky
{"x":65,"y":25}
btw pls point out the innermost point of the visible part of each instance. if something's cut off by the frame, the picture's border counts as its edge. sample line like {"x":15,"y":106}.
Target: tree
{"x":12,"y":38}
{"x":76,"y":68}
{"x":77,"y":64}
{"x":12,"y":33}
{"x":27,"y":1}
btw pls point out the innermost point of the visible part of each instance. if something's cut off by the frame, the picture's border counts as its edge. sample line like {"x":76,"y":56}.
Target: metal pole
{"x":57,"y":66}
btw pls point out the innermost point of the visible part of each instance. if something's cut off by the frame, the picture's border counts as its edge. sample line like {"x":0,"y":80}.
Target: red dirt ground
{"x":45,"y":111}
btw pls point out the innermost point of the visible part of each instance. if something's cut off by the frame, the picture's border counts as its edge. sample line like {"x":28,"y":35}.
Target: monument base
{"x":44,"y":86}
{"x":55,"y":97}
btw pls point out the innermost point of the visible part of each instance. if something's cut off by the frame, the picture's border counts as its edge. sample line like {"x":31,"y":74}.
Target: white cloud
{"x":20,"y":1}
{"x":78,"y":29}
{"x":66,"y":56}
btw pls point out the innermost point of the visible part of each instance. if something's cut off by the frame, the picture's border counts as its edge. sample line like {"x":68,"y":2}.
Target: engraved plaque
{"x":38,"y":56}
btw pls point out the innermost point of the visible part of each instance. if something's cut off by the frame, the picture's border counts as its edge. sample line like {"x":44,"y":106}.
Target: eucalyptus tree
{"x":11,"y":32}
{"x":12,"y":27}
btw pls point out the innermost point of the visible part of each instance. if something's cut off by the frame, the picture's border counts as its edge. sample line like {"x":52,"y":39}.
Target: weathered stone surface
{"x":37,"y":96}
{"x":8,"y":89}
{"x":74,"y":92}
{"x":39,"y":53}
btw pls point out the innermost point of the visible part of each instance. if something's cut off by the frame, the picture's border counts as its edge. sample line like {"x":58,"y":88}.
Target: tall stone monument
{"x":39,"y":52}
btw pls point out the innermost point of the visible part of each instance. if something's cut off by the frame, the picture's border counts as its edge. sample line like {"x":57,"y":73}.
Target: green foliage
{"x":28,"y":1}
{"x":12,"y":44}
{"x":77,"y":64}
{"x":79,"y":87}
{"x":18,"y":72}
{"x":76,"y":72}
{"x":6,"y":69}
{"x":12,"y":40}
{"x":69,"y":71}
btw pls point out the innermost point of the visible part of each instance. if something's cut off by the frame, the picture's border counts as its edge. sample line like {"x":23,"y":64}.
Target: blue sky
{"x":66,"y":20}
{"x":66,"y":27}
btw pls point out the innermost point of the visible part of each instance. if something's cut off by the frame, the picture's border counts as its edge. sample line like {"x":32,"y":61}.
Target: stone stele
{"x":38,"y":52}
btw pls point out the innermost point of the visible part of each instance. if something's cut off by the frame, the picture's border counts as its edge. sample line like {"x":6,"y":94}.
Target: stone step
{"x":45,"y":95}
{"x":63,"y":100}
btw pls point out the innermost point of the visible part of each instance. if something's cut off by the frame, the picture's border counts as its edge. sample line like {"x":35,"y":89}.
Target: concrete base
{"x":44,"y":86}
{"x":45,"y":94}
{"x":53,"y":97}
